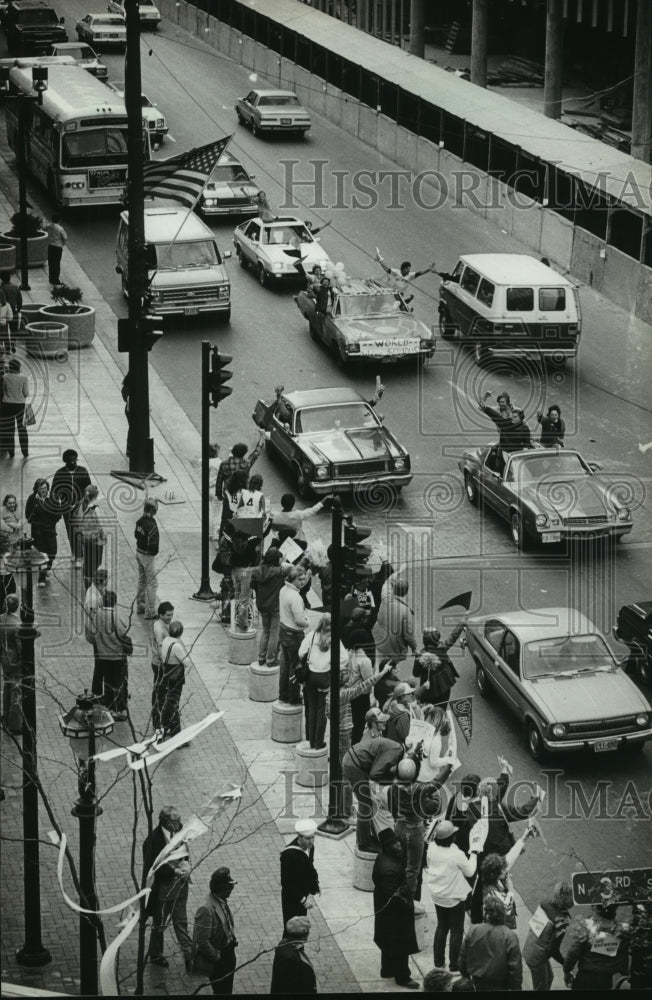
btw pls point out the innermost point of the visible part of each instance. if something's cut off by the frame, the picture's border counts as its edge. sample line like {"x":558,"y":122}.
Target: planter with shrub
{"x":80,"y":319}
{"x":24,"y":223}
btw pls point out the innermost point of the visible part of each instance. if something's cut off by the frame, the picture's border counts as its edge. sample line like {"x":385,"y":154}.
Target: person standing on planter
{"x":316,"y":647}
{"x":68,"y":486}
{"x":57,"y":239}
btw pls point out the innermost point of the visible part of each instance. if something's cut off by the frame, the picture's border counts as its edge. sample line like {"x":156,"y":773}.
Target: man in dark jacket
{"x":394,"y":931}
{"x":266,"y":582}
{"x":147,"y":546}
{"x":547,"y":929}
{"x":434,"y":666}
{"x":214,"y":940}
{"x":292,"y":972}
{"x":168,"y":899}
{"x":490,"y":954}
{"x":68,"y":487}
{"x":299,"y":878}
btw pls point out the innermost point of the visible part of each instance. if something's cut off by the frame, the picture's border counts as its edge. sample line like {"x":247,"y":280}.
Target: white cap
{"x":305,"y":827}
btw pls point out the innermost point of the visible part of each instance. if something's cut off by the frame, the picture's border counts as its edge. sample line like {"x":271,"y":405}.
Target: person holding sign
{"x":548,"y":925}
{"x":598,"y":948}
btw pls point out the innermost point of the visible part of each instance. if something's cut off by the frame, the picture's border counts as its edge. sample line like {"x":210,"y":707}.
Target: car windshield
{"x":34,"y":16}
{"x":177,"y":256}
{"x":78,"y":52}
{"x":535,"y":468}
{"x":225,"y":172}
{"x":345,"y":416}
{"x":371,"y":305}
{"x":572,"y":654}
{"x":112,"y":21}
{"x":279,"y":101}
{"x":94,"y":147}
{"x":284,"y":235}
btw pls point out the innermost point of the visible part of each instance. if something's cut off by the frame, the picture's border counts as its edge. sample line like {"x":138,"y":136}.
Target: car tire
{"x":341,"y":357}
{"x":447,"y":328}
{"x":254,"y":130}
{"x":262,"y":276}
{"x":482,"y":681}
{"x":535,"y":742}
{"x":303,"y":489}
{"x":517,"y":531}
{"x":470,"y":489}
{"x":225,"y":316}
{"x":241,"y":120}
{"x":270,"y":450}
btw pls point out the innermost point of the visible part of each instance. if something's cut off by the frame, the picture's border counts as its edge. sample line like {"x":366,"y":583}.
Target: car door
{"x":328,"y":326}
{"x":508,"y":673}
{"x":462,"y":302}
{"x":82,"y":29}
{"x":246,"y":106}
{"x":280,"y":437}
{"x":250,"y":241}
{"x":495,"y":491}
{"x":488,"y":647}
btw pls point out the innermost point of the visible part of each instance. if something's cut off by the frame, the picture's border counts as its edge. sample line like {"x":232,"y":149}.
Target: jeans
{"x":168,"y":687}
{"x":288,"y":686}
{"x":412,"y":836}
{"x":92,"y":555}
{"x":146,"y":598}
{"x":13,"y":414}
{"x":345,"y":792}
{"x":74,"y":536}
{"x":314,"y":700}
{"x":114,"y":683}
{"x":268,"y":645}
{"x":54,"y":264}
{"x":359,"y":782}
{"x":171,"y":905}
{"x":542,"y":976}
{"x":450,"y":919}
{"x":45,"y":540}
{"x":242,"y":582}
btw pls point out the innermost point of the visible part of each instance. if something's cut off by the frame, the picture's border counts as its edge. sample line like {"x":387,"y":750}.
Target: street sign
{"x":625,"y":886}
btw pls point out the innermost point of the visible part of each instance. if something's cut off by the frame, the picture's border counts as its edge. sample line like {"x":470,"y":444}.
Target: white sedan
{"x":103,"y":31}
{"x":148,"y":13}
{"x":273,"y":248}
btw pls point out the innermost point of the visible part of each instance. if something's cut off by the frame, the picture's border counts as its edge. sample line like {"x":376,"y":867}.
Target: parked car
{"x":333,"y":441}
{"x":148,"y":14}
{"x":272,"y":111}
{"x":555,"y":672}
{"x":106,"y":31}
{"x":83,"y":55}
{"x":31,"y":27}
{"x":634,"y":628}
{"x":368,"y":322}
{"x":230,"y":190}
{"x":263,"y":244}
{"x":548,"y":495}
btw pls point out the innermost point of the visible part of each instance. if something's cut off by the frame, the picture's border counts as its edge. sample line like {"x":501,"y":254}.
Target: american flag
{"x":182,"y":177}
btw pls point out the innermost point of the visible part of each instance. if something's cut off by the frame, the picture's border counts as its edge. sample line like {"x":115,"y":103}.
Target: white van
{"x":184,"y":265}
{"x":506,"y":304}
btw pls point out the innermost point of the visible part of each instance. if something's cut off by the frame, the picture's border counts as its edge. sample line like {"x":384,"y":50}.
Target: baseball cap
{"x":402,"y":688}
{"x":375,"y":715}
{"x":359,"y":614}
{"x":445,"y":829}
{"x":305,"y":827}
{"x":221,"y":877}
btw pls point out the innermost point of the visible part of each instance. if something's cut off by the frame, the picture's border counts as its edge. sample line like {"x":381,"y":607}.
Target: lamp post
{"x":85,"y":725}
{"x":22,"y":561}
{"x":40,"y":83}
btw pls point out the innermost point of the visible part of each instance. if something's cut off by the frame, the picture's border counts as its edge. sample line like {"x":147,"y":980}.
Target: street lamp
{"x":40,"y":84}
{"x":22,"y":561}
{"x":86,"y":725}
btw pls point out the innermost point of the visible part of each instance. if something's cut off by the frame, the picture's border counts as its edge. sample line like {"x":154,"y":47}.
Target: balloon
{"x":329,"y":272}
{"x":339,"y":266}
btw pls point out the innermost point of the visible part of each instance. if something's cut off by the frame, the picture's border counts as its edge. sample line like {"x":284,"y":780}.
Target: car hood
{"x":388,"y":327}
{"x":349,"y":445}
{"x":587,"y":696}
{"x":227,"y":190}
{"x":312,"y":253}
{"x":569,"y":498}
{"x":193,"y":276}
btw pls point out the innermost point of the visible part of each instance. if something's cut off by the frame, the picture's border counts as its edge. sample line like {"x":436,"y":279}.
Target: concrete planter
{"x":37,"y":248}
{"x":81,"y":324}
{"x":7,"y":257}
{"x":31,"y":312}
{"x":47,"y":340}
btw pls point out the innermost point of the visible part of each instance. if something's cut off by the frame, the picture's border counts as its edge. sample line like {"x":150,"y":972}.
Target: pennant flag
{"x":462,"y":600}
{"x":182,"y":177}
{"x":463,"y":712}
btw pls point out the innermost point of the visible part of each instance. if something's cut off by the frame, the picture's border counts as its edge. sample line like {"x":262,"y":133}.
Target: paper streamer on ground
{"x":108,"y":965}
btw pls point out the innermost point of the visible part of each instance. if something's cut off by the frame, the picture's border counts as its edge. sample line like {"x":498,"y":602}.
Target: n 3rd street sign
{"x":632,"y":885}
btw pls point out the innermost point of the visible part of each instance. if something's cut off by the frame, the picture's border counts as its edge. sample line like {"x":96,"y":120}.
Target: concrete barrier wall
{"x":618,"y":277}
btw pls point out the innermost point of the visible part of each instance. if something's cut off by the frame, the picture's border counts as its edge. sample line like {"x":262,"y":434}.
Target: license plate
{"x":551,"y":536}
{"x":191,"y":311}
{"x":286,"y":121}
{"x":603,"y":745}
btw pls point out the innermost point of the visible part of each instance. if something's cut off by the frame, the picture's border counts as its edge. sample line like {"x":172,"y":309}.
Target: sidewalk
{"x":78,"y":403}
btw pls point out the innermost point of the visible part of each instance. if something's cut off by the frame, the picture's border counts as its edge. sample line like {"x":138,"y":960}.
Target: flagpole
{"x":141,"y":452}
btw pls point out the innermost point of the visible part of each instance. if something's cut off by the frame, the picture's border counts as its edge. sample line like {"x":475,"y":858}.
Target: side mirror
{"x":226,"y":254}
{"x":118,"y":269}
{"x":62,"y":20}
{"x":251,"y":176}
{"x":316,"y":239}
{"x":381,"y":417}
{"x":595,"y":466}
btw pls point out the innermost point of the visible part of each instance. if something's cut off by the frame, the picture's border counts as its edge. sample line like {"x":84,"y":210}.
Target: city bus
{"x":77,"y":138}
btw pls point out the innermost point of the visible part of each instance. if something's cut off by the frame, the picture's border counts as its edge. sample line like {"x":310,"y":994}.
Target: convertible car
{"x":263,"y":246}
{"x":555,"y":672}
{"x":547,"y":494}
{"x":368,"y":322}
{"x":333,"y":441}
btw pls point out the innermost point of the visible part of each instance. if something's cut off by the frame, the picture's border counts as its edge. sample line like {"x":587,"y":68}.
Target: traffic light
{"x":218,"y":375}
{"x":355,"y":556}
{"x":142,"y":334}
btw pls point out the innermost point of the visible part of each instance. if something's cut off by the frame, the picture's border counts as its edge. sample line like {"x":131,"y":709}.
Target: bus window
{"x":486,"y":292}
{"x":552,"y":299}
{"x":520,"y":299}
{"x":470,"y":280}
{"x":97,"y":146}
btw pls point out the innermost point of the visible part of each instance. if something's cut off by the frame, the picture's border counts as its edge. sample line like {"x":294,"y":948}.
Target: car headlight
{"x":641,"y":720}
{"x":623,"y":514}
{"x":559,"y":729}
{"x":223,"y":291}
{"x":399,"y":463}
{"x":425,"y":345}
{"x":209,"y":201}
{"x":321,"y":471}
{"x":277,"y":265}
{"x":542,"y":520}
